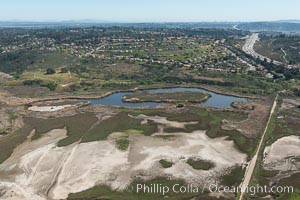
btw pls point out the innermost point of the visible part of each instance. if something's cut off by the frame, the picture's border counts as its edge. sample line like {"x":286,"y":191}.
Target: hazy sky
{"x":150,"y":10}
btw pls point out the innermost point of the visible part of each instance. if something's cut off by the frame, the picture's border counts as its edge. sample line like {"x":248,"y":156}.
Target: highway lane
{"x":249,"y":49}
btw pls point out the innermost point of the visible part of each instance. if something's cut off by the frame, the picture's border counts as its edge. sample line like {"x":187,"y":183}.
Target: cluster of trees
{"x":296,"y":92}
{"x":289,"y":74}
{"x":3,"y":132}
{"x":190,"y":79}
{"x":50,"y":71}
{"x":17,"y":62}
{"x":38,"y":82}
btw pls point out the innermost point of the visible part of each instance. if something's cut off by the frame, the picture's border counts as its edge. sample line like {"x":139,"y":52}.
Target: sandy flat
{"x":48,"y":108}
{"x":41,"y":170}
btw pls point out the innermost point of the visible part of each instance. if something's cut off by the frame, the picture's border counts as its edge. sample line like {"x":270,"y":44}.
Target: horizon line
{"x":138,"y":22}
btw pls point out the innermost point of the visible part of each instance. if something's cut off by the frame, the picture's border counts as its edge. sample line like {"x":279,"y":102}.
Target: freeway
{"x":249,"y":49}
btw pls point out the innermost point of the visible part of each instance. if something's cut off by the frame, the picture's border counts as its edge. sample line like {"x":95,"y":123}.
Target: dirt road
{"x":252,"y":164}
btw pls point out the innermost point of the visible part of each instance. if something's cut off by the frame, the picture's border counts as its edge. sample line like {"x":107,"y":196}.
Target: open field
{"x":76,"y":126}
{"x":119,"y":123}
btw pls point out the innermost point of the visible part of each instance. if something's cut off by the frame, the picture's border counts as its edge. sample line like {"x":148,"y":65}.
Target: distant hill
{"x":32,"y":24}
{"x":290,"y":21}
{"x":279,"y":26}
{"x":88,"y":23}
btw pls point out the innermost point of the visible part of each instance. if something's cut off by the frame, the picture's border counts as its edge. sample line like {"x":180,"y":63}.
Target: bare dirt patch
{"x":289,"y":104}
{"x":5,"y":77}
{"x":9,"y":100}
{"x":253,"y":126}
{"x":27,"y":91}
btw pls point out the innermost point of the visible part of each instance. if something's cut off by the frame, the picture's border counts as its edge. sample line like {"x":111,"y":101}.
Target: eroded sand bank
{"x":282,"y":153}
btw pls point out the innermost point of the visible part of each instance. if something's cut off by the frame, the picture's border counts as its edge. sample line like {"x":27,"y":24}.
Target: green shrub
{"x":165,"y":163}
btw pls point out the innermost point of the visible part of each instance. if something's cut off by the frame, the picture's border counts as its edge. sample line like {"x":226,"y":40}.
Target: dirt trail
{"x":27,"y":171}
{"x":252,"y":164}
{"x":67,"y":158}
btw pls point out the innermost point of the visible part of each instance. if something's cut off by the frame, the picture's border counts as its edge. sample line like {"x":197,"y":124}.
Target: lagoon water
{"x":216,"y":100}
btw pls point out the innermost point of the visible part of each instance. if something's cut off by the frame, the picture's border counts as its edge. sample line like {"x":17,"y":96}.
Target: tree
{"x":64,"y":70}
{"x":50,"y":71}
{"x":51,"y":85}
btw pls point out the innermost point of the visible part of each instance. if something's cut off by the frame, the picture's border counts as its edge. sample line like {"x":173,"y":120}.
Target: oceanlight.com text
{"x":215,"y":188}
